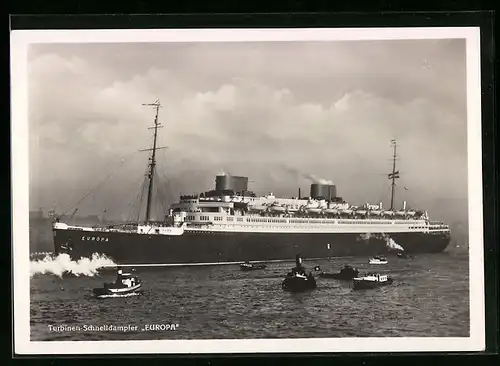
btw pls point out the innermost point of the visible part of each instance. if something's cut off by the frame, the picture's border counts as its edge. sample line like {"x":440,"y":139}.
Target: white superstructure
{"x":294,"y":215}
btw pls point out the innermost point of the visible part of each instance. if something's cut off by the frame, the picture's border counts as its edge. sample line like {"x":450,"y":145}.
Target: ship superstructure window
{"x":240,"y":219}
{"x":218,"y":218}
{"x":204,"y":218}
{"x":210,"y":209}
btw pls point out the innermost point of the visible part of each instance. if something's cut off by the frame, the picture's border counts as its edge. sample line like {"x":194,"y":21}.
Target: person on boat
{"x":127,"y":282}
{"x":119,"y":277}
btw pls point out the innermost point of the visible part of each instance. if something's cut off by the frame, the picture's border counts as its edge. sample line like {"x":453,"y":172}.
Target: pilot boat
{"x":125,"y":285}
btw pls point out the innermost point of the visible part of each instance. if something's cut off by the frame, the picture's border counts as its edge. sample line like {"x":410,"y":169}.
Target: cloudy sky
{"x":278,"y":112}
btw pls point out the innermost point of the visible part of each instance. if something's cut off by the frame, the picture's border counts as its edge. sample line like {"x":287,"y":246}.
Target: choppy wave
{"x":62,"y":264}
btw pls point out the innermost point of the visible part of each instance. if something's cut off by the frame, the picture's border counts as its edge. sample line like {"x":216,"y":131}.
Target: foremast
{"x":152,"y":159}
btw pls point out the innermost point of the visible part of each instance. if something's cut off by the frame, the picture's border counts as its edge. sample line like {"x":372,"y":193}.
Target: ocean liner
{"x":232,"y":224}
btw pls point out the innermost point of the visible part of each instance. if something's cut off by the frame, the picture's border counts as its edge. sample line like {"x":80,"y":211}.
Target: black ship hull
{"x":220,"y":247}
{"x":298,"y":284}
{"x":339,"y":276}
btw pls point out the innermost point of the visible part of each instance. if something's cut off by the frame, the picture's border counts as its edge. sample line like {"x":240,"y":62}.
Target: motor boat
{"x":297,"y":280}
{"x":346,"y":273}
{"x":378,"y":260}
{"x":126,"y":284}
{"x":370,"y":281}
{"x":247,"y":266}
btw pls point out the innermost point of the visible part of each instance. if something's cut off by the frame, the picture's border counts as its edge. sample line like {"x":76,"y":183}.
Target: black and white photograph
{"x":247,"y":190}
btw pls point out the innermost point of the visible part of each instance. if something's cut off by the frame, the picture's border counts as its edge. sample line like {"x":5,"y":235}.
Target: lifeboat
{"x":314,"y":210}
{"x":331,"y":211}
{"x":276,"y":208}
{"x":376,"y":212}
{"x":388,"y":213}
{"x":256,"y":208}
{"x":360,"y":212}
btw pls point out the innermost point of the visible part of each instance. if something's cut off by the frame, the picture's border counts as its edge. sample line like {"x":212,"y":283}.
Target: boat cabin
{"x":382,"y":278}
{"x":374,"y":277}
{"x":126,"y":279}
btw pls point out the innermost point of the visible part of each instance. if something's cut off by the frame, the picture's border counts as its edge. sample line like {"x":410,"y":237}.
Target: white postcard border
{"x":21,"y":39}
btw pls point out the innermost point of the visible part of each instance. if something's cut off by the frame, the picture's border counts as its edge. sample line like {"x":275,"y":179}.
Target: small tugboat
{"x":247,"y":266}
{"x":378,"y":259}
{"x":371,"y":280}
{"x":346,"y":273}
{"x":297,"y":280}
{"x":125,"y":285}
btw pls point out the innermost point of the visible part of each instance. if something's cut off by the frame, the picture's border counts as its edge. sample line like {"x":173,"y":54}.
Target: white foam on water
{"x":393,"y":245}
{"x":118,"y":296}
{"x":63,"y":264}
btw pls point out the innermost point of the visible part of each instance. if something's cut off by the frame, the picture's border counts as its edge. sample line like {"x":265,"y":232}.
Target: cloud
{"x":252,"y":116}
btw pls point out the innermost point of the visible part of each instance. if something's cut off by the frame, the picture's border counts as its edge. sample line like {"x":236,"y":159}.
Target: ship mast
{"x":394,"y":175}
{"x":152,"y":159}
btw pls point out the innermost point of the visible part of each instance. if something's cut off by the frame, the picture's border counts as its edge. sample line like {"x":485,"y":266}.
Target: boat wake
{"x":391,"y":244}
{"x":62,"y":264}
{"x":118,"y":295}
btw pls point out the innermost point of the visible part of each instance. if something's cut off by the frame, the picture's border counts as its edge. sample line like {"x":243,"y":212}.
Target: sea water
{"x":429,"y":298}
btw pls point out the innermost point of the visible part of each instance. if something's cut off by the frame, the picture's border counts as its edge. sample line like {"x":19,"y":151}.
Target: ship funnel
{"x":404,"y":205}
{"x":299,"y":194}
{"x":380,"y":205}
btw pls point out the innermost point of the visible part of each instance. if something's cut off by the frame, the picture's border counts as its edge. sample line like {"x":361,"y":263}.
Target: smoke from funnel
{"x":316,"y":179}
